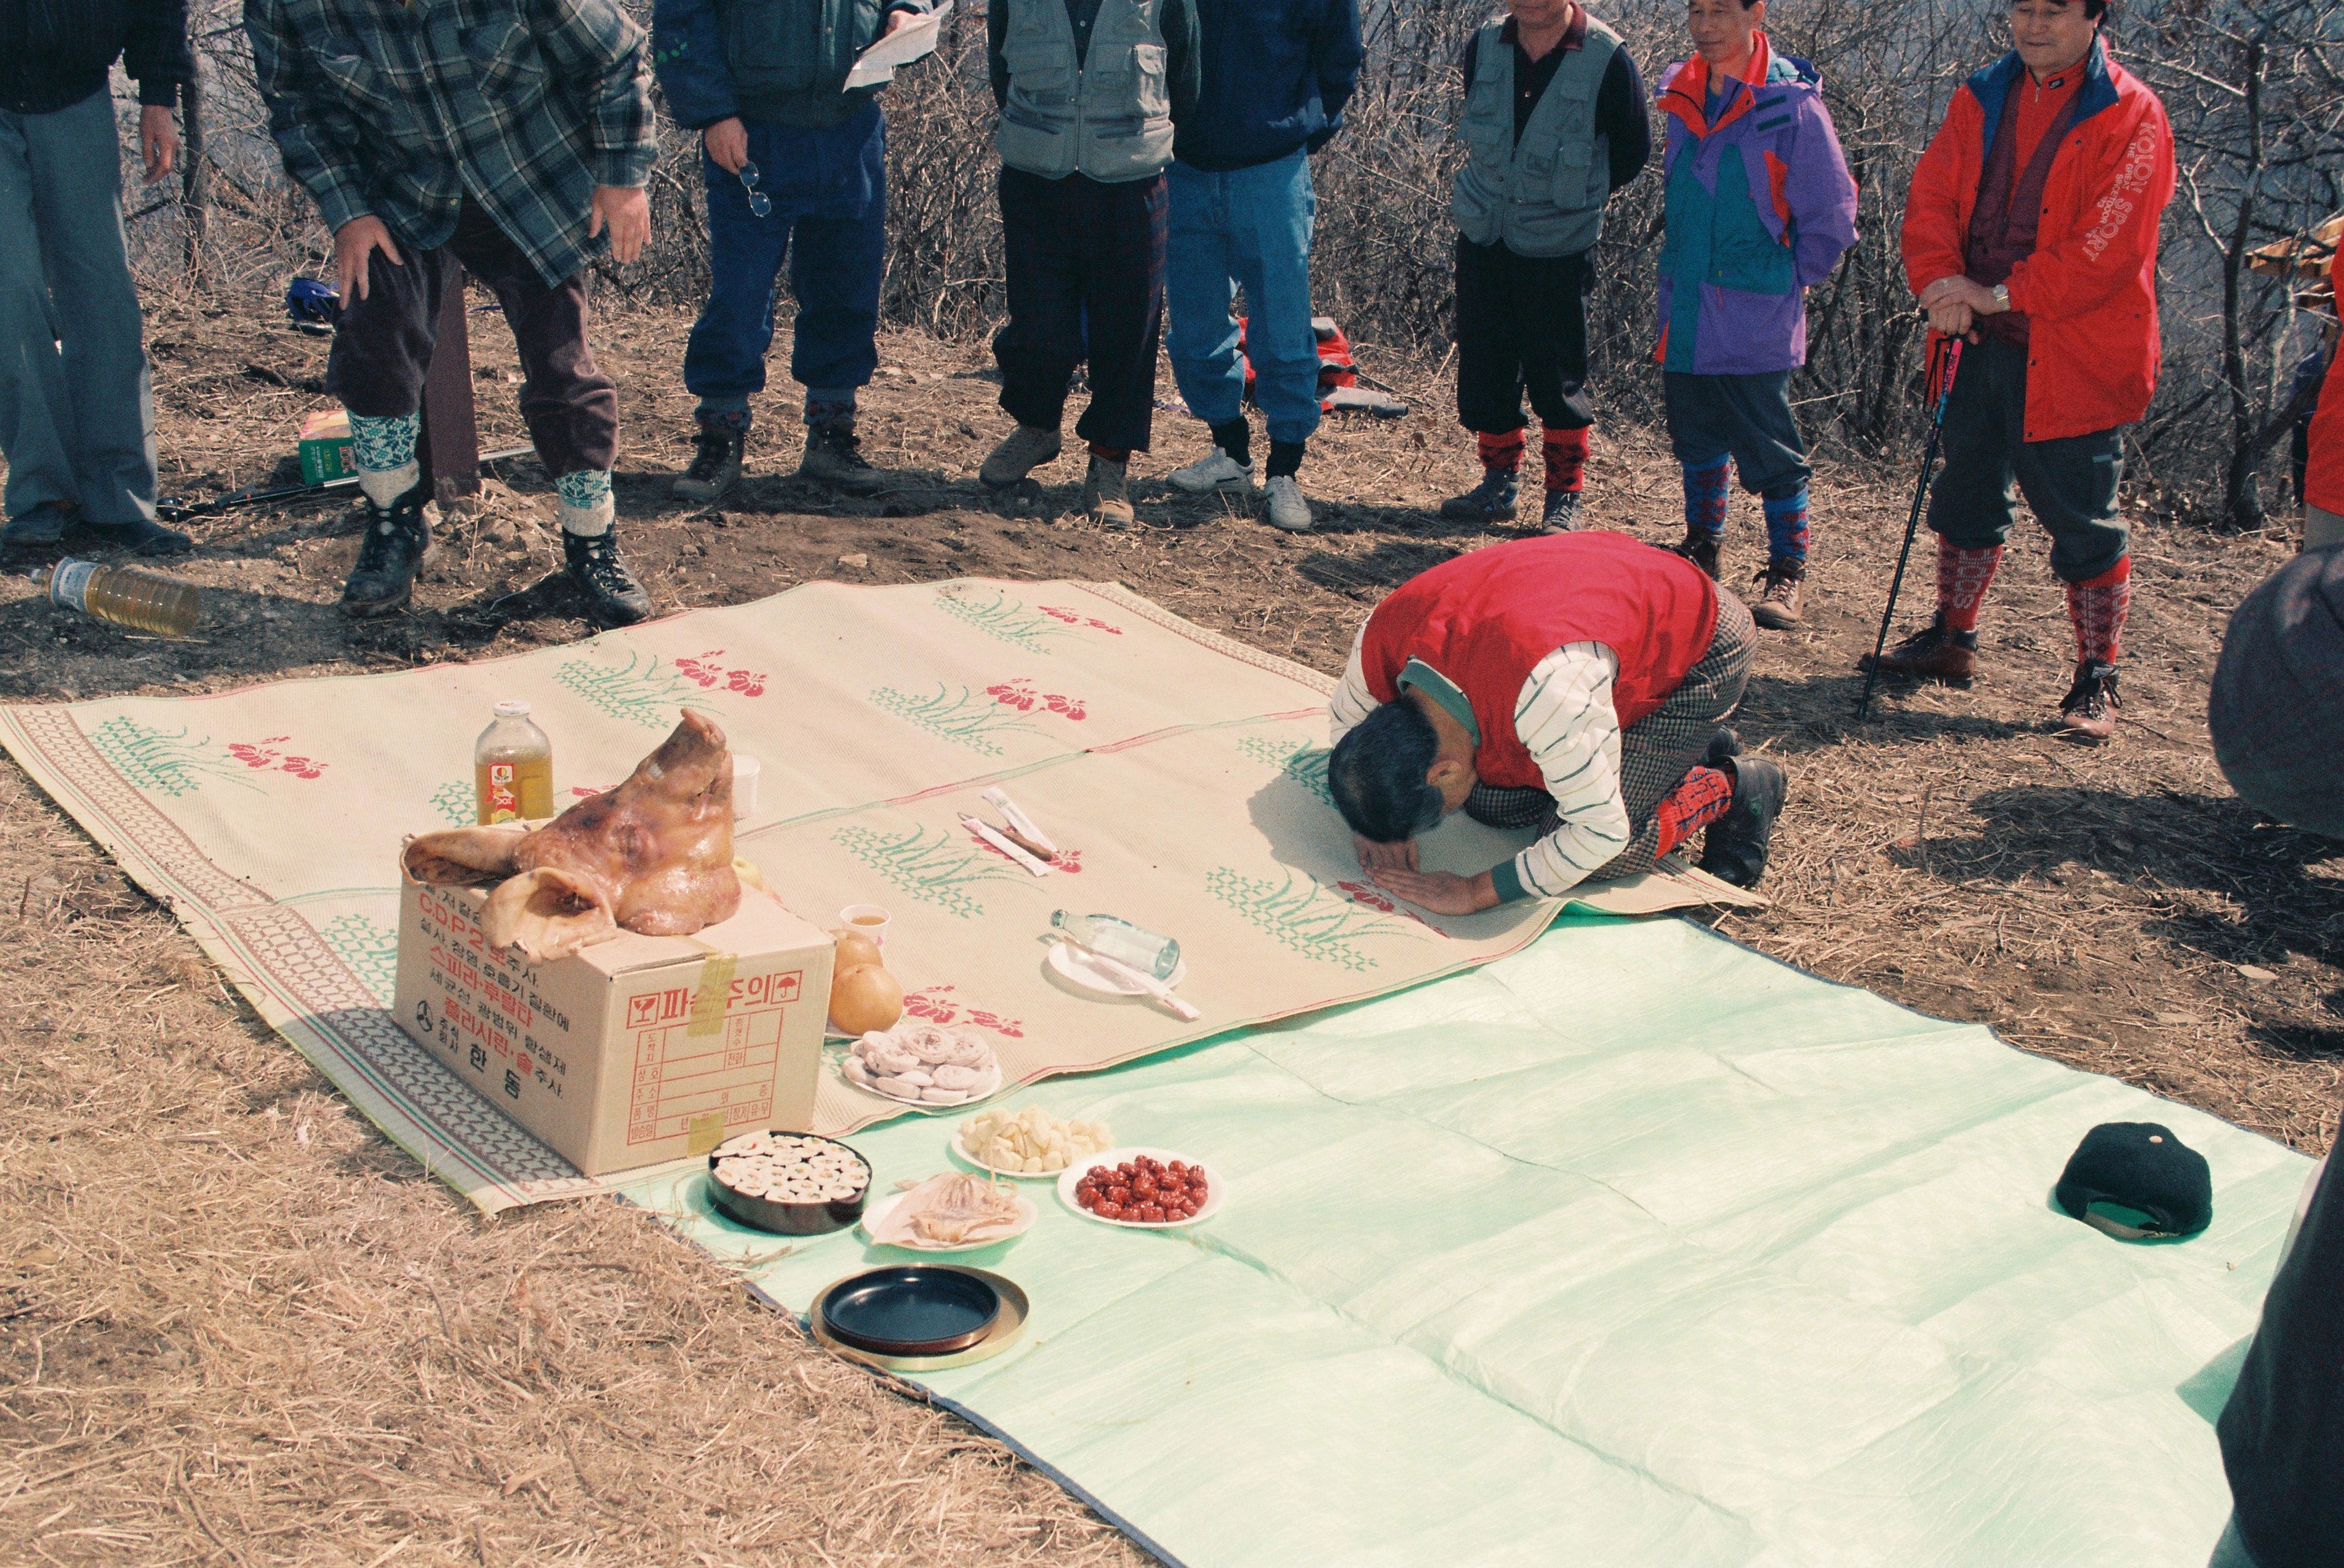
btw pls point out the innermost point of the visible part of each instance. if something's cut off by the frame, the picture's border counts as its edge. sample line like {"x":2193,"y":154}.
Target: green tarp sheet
{"x":1636,"y":1248}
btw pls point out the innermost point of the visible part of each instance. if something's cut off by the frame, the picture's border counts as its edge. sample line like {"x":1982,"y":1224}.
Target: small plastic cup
{"x":745,"y":774}
{"x":865,"y":920}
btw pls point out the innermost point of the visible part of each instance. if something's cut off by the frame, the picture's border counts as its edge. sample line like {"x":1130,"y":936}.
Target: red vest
{"x":1487,"y":618}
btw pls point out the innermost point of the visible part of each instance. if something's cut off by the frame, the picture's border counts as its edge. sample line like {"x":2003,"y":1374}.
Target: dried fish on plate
{"x":953,"y":1210}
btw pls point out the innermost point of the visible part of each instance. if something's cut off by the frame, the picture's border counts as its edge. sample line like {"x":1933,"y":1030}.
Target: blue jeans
{"x":1249,"y":228}
{"x":829,"y":190}
{"x":76,"y":406}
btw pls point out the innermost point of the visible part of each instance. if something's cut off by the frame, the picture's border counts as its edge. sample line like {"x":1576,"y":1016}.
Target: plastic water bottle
{"x":1119,"y":940}
{"x":128,"y":596}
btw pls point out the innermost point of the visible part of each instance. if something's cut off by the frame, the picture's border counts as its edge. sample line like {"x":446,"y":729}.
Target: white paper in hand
{"x":914,"y":40}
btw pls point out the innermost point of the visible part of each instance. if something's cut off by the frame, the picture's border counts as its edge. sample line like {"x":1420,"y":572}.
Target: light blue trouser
{"x":1249,"y":228}
{"x":76,"y":411}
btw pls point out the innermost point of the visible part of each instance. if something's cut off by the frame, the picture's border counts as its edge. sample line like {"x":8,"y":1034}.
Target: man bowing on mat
{"x":1575,"y":682}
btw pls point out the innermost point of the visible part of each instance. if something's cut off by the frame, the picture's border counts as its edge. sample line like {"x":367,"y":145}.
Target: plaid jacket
{"x":399,"y":108}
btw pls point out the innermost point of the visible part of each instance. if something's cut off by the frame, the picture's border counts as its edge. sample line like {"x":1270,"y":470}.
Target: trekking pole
{"x":1942,"y":364}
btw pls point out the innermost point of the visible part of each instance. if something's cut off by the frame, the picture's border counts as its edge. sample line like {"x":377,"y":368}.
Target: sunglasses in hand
{"x":760,"y":203}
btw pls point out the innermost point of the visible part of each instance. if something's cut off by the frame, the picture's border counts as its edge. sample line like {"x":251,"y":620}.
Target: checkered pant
{"x":1656,"y":752}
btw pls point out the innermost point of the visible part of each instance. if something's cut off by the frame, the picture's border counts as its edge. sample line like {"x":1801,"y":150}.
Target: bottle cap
{"x":512,"y":708}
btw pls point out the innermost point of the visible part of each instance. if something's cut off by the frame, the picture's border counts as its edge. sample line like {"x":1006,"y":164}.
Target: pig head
{"x":653,"y":856}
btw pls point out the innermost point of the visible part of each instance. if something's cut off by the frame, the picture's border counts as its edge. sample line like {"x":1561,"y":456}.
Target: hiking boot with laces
{"x":1736,"y":845}
{"x":1781,"y":595}
{"x":2088,"y":712}
{"x":396,"y":544}
{"x":715,"y":463}
{"x":1560,"y":512}
{"x":1216,"y":473}
{"x":1491,"y":501}
{"x":1701,"y":548}
{"x":1024,"y":448}
{"x":1286,"y":510}
{"x":1931,"y":654}
{"x":613,"y":597}
{"x":833,"y":456}
{"x":1104,"y":495}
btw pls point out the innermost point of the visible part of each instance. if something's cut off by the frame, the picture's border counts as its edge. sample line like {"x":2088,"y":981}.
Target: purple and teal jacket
{"x":1760,"y":207}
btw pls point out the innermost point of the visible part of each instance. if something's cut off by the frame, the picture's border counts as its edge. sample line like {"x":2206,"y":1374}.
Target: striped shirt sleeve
{"x":1565,"y":719}
{"x":1352,"y":700}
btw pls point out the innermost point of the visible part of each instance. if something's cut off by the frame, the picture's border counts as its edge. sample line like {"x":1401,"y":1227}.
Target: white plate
{"x":991,"y":1086}
{"x":960,"y":1152}
{"x":1216,"y":1189}
{"x":1076,"y":965}
{"x":872,"y":1215}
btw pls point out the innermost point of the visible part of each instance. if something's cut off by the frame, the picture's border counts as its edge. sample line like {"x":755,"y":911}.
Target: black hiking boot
{"x":1701,"y":548}
{"x":1736,"y":848}
{"x":142,"y":537}
{"x":715,"y":463}
{"x":396,"y":544}
{"x":613,"y":597}
{"x":1560,"y":514}
{"x":1491,"y":501}
{"x":2088,"y":712}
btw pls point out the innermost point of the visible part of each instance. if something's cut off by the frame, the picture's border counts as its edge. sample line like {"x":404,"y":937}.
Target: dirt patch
{"x":240,"y":1325}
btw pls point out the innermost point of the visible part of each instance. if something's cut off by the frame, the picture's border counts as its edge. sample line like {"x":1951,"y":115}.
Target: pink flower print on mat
{"x":708,"y":674}
{"x":1072,"y":618}
{"x":1021,"y":695}
{"x":264,"y":754}
{"x":1376,"y":898}
{"x":937,"y":1008}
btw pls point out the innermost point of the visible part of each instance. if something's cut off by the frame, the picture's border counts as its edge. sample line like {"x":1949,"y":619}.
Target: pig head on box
{"x":653,"y":856}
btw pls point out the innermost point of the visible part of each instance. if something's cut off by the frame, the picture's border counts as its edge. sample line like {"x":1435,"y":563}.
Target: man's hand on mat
{"x":626,"y":212}
{"x":727,"y":142}
{"x":354,"y":245}
{"x":1442,"y":891}
{"x":1374,"y":856}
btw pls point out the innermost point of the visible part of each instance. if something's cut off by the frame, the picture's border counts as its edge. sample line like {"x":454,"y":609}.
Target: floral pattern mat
{"x":1183,"y":775}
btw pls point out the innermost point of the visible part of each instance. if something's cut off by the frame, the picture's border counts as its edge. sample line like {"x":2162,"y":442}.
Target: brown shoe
{"x":1104,"y":494}
{"x":1701,"y":548}
{"x":1781,"y":598}
{"x":1931,"y":654}
{"x":2088,"y":712}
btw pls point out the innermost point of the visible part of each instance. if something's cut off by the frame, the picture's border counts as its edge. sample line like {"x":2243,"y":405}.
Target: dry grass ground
{"x":239,"y":1327}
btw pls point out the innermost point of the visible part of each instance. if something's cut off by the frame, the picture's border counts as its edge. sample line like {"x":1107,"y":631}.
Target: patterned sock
{"x":1500,"y":453}
{"x":736,"y":420}
{"x":1701,"y":797}
{"x":1566,"y":459}
{"x":829,"y":408}
{"x":1962,"y":579}
{"x":384,"y":451}
{"x":2097,"y":605}
{"x":1111,"y":454}
{"x":1704,"y":492}
{"x":585,"y":503}
{"x":1786,"y":526}
{"x":1234,"y":437}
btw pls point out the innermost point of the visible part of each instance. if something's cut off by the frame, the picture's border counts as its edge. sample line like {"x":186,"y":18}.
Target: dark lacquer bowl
{"x":911,"y":1310}
{"x":788,"y":1217}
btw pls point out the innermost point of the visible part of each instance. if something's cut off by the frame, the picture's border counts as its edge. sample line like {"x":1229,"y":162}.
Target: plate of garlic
{"x":1030,"y":1144}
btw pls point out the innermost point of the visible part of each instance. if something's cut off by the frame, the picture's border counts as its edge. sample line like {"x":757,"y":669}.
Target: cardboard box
{"x":326,"y":447}
{"x":633,"y":1051}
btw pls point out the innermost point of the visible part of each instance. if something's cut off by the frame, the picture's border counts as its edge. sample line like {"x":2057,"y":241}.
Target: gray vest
{"x":1108,"y":116}
{"x":1544,"y":195}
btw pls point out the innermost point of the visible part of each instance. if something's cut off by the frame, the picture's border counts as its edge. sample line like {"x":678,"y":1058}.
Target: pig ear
{"x":547,"y":914}
{"x":461,"y":855}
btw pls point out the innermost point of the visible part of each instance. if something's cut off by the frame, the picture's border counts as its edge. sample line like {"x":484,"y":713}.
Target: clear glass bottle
{"x":128,"y":596}
{"x":1119,"y":940}
{"x":512,"y":767}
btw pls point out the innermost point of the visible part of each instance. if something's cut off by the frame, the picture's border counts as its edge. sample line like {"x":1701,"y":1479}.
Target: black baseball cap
{"x":2137,"y":1181}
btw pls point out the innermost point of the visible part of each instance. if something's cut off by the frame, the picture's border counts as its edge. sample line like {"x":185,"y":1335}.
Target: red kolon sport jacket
{"x":2089,"y":290}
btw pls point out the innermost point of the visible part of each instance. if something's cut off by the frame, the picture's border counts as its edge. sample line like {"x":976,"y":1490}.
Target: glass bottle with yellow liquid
{"x":512,"y":767}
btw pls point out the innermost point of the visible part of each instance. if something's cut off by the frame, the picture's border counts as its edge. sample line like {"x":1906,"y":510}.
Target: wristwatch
{"x":2001,"y":296}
